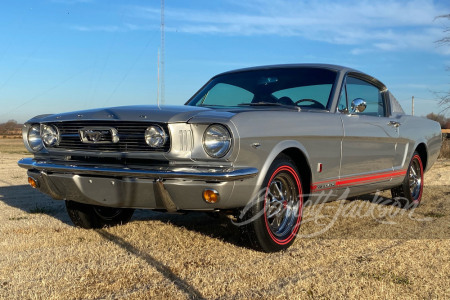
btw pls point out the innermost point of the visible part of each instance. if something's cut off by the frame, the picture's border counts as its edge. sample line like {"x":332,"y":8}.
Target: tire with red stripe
{"x":409,"y":193}
{"x":276,"y":216}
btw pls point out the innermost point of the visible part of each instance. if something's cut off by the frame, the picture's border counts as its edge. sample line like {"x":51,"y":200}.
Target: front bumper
{"x":162,"y":187}
{"x":206,"y":174}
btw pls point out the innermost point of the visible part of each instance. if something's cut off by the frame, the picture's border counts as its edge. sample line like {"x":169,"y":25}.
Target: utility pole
{"x":158,"y":85}
{"x":413,"y":105}
{"x":162,"y":89}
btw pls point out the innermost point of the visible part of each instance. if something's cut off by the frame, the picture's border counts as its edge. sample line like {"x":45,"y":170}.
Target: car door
{"x":370,"y":137}
{"x":398,"y":117}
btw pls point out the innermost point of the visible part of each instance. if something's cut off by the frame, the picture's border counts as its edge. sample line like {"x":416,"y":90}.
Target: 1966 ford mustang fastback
{"x":256,"y":142}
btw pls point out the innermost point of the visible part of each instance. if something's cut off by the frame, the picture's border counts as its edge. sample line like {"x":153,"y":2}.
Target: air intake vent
{"x":185,"y":140}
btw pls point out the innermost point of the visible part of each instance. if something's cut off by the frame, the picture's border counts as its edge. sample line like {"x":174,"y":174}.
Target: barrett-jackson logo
{"x":99,"y":135}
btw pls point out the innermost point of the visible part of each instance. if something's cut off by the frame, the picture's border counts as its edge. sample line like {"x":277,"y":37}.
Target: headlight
{"x":155,"y":136}
{"x":34,"y":137}
{"x":50,"y":135}
{"x":216,"y":141}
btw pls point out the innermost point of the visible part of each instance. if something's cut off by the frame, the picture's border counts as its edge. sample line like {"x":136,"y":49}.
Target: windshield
{"x":303,"y":87}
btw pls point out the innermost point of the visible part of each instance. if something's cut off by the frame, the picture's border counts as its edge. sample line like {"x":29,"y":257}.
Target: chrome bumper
{"x":205,"y":174}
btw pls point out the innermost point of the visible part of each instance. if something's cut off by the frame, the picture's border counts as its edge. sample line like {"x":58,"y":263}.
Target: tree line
{"x":10,"y":129}
{"x":441,"y":119}
{"x":444,"y":97}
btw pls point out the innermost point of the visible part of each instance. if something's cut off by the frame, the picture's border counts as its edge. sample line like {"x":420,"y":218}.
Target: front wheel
{"x":92,"y":216}
{"x":409,"y":193}
{"x":276,"y":216}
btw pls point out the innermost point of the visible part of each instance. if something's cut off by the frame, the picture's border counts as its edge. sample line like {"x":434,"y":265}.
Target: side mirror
{"x":358,"y":106}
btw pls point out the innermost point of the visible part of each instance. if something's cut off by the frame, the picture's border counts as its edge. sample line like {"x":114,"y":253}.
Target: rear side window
{"x":357,"y":88}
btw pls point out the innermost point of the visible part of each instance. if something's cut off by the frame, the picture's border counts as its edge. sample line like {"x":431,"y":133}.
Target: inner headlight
{"x":50,"y":135}
{"x":155,"y":136}
{"x":34,"y":137}
{"x":216,"y":141}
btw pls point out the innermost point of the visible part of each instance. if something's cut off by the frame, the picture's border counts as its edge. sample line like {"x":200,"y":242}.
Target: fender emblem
{"x":327,"y":185}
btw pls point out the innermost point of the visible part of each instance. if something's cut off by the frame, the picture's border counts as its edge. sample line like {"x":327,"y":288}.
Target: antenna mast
{"x":161,"y":58}
{"x":158,"y":86}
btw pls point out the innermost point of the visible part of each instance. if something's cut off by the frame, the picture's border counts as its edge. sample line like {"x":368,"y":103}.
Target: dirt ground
{"x":365,"y":247}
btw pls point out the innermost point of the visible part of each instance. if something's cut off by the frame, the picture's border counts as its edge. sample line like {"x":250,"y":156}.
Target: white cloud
{"x":71,"y":1}
{"x":97,"y":28}
{"x":370,"y":26}
{"x":375,"y":25}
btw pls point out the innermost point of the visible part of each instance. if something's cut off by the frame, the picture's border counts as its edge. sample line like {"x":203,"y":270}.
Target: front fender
{"x":276,"y":150}
{"x":260,"y":158}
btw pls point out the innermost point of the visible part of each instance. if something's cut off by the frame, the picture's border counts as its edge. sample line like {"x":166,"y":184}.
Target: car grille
{"x":131,"y":136}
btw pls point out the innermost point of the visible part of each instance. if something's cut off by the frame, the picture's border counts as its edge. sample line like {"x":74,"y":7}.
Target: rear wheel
{"x":409,"y":193}
{"x":92,"y":216}
{"x":276,"y":217}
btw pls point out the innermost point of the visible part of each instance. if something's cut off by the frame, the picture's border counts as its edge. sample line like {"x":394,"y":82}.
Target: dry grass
{"x":371,"y":251}
{"x":12,"y":146}
{"x":445,"y":149}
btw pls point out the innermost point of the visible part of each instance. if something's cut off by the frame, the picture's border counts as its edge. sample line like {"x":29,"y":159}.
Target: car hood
{"x":152,"y":113}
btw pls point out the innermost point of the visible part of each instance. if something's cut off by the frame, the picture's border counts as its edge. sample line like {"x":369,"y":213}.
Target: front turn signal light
{"x":33,"y":182}
{"x":211,"y":196}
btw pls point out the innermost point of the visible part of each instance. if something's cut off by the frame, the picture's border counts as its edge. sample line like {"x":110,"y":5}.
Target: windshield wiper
{"x":271,"y":104}
{"x":204,"y":105}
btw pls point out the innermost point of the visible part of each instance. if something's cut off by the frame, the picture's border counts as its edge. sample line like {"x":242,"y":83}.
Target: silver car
{"x":256,"y":143}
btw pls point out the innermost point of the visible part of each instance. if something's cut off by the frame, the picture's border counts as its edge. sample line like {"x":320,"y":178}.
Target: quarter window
{"x":342,"y":104}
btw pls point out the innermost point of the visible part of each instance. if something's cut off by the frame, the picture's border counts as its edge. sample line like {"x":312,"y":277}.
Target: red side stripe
{"x":356,"y":180}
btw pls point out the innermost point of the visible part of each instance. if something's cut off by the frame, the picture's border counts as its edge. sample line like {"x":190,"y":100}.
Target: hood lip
{"x":138,"y":113}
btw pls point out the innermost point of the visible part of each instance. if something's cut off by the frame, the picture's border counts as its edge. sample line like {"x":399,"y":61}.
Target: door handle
{"x":394,"y":123}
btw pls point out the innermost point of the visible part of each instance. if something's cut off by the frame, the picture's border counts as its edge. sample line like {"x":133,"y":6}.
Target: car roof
{"x":289,"y":66}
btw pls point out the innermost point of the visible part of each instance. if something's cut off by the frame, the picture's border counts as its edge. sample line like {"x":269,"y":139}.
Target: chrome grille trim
{"x":131,"y":136}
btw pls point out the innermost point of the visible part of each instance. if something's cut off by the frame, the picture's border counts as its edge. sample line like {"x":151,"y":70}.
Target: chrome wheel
{"x":282,"y":205}
{"x":415,"y":179}
{"x":409,"y":194}
{"x":275,"y":215}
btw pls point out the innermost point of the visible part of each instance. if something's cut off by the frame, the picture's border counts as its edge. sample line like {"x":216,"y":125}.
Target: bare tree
{"x":446,"y":38}
{"x":441,"y":119}
{"x":444,"y":97}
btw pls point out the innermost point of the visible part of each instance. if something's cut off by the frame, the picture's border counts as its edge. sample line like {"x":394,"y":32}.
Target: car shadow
{"x":375,"y":198}
{"x":31,"y":201}
{"x":213,"y":225}
{"x":179,"y":282}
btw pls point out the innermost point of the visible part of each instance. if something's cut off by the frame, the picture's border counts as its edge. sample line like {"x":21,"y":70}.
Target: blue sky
{"x":65,"y":55}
